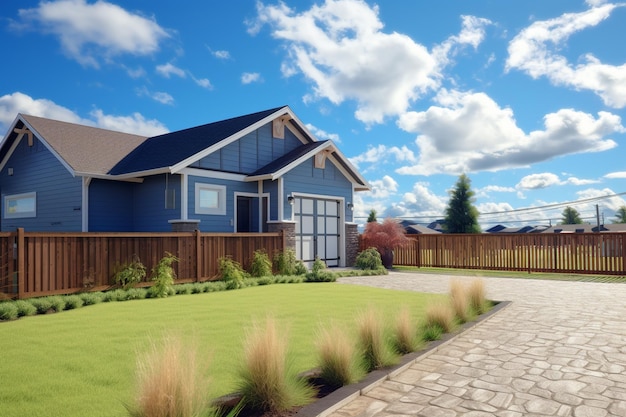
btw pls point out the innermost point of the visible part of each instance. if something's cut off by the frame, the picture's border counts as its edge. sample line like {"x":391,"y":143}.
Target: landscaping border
{"x":341,"y":396}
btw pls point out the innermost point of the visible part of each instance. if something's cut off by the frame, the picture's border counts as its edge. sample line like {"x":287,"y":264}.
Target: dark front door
{"x":244,"y":214}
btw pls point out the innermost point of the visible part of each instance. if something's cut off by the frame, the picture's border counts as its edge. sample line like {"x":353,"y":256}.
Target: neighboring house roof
{"x":503,"y":229}
{"x":82,"y":149}
{"x":418,"y":229}
{"x":586,"y":228}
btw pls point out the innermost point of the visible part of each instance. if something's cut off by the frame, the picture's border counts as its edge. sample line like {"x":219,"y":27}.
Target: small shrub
{"x":42,"y":304}
{"x":300,"y":268}
{"x":476,"y":296}
{"x":337,"y":358}
{"x":8,"y":310}
{"x":231,"y":272}
{"x":268,"y":381}
{"x":215,"y":286}
{"x":405,"y":335}
{"x":163,"y":275}
{"x":114,"y":295}
{"x":170,"y":382}
{"x":183,"y":289}
{"x":441,"y":315}
{"x":265,"y":280}
{"x":369,"y":260}
{"x":261,"y":265}
{"x":458,"y":298}
{"x":73,"y":302}
{"x":375,"y":352}
{"x":319,"y":273}
{"x":285,"y":262}
{"x":130,"y":274}
{"x":57,"y":303}
{"x":91,"y":298}
{"x":136,"y":293}
{"x":24,"y":308}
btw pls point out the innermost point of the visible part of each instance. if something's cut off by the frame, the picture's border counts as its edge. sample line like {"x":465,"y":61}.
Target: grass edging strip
{"x":342,"y":396}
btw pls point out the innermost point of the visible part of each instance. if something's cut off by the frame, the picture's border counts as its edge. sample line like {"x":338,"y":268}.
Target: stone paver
{"x":558,"y":350}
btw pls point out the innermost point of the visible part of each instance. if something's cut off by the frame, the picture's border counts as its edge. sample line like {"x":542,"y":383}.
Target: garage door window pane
{"x":331,"y":208}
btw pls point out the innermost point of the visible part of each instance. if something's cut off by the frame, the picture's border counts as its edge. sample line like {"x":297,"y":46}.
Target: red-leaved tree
{"x":385,"y":237}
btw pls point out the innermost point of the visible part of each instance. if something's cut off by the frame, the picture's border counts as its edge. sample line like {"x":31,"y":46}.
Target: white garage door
{"x":317,"y":230}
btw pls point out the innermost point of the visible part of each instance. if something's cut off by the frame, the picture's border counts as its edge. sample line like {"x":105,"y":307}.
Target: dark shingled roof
{"x":172,"y":148}
{"x":288,"y":158}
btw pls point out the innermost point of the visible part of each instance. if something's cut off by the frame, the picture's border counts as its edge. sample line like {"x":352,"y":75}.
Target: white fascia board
{"x":205,"y":173}
{"x":107,"y":177}
{"x":292,"y":165}
{"x":227,"y":141}
{"x":140,"y":174}
{"x":365,"y":187}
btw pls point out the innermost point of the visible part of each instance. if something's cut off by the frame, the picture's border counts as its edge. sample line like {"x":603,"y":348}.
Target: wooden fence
{"x":583,"y":253}
{"x":36,"y":264}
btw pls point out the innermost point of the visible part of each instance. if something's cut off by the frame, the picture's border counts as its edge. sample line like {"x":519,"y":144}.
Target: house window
{"x":210,"y":199}
{"x":20,"y":205}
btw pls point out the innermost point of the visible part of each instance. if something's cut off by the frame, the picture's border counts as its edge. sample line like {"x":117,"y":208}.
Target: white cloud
{"x":609,"y":203}
{"x":382,"y":189}
{"x":203,"y":82}
{"x":12,"y":104}
{"x":341,"y":47}
{"x":537,"y":181}
{"x":381,"y":154}
{"x":472,"y":34}
{"x":469,"y":132}
{"x":498,"y":189}
{"x":613,"y":175}
{"x":90,"y":32}
{"x":322,"y":134}
{"x":170,"y":69}
{"x":533,"y":51}
{"x":250,"y":77}
{"x":580,"y":181}
{"x":419,"y":202}
{"x":220,"y":54}
{"x":135,"y":123}
{"x":160,"y":96}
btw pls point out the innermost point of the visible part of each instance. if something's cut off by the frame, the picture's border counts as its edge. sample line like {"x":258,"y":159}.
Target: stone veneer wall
{"x":352,"y":243}
{"x":289,"y":230}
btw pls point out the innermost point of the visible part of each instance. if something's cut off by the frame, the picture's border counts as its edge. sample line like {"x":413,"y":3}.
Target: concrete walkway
{"x":558,"y":350}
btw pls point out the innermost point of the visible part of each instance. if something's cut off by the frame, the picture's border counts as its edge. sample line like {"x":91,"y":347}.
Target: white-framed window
{"x":210,"y":199}
{"x":20,"y":205}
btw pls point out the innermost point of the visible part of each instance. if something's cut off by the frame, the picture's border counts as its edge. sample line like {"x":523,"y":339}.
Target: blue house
{"x":261,"y":172}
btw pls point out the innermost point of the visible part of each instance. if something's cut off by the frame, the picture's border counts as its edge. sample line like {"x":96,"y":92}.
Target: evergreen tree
{"x":570,"y":216}
{"x":372,"y":217}
{"x":620,"y":215}
{"x":461,"y":215}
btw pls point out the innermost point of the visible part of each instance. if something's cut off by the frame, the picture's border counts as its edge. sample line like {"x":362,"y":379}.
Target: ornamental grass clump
{"x":477,"y":297}
{"x":24,"y":308}
{"x":8,"y":311}
{"x":268,"y":380}
{"x":73,"y":302}
{"x":375,"y":352}
{"x":338,"y":361}
{"x":459,"y":300}
{"x":163,"y":275}
{"x":405,"y":333}
{"x":170,"y":382}
{"x":440,"y":315}
{"x":232,"y":273}
{"x":261,"y":265}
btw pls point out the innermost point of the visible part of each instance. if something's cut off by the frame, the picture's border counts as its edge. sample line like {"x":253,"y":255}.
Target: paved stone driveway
{"x":558,"y":350}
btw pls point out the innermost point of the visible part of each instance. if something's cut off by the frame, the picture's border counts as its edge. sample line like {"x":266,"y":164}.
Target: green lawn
{"x":81,"y":362}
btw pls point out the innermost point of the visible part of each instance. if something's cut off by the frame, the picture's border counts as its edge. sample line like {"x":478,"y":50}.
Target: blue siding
{"x":59,"y":195}
{"x":218,"y":223}
{"x":150,"y":214}
{"x":251,"y":152}
{"x":307,"y":179}
{"x":111,"y":206}
{"x":271,"y":187}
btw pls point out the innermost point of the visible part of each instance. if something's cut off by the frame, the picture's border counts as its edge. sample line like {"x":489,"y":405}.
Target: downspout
{"x":85,"y":204}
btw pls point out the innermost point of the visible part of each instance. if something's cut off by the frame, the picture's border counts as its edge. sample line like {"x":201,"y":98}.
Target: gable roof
{"x":99,"y":150}
{"x":175,"y":148}
{"x":274,"y":168}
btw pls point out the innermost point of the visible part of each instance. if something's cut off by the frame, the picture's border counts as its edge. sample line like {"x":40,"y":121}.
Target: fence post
{"x":198,"y":256}
{"x":21,"y":264}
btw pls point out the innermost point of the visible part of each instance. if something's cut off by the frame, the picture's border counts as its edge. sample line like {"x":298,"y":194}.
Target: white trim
{"x":277,"y":174}
{"x":205,"y":173}
{"x":85,"y":203}
{"x":10,"y":152}
{"x":281,"y":199}
{"x":220,"y":210}
{"x":184,"y":196}
{"x":107,"y":177}
{"x":19,"y":215}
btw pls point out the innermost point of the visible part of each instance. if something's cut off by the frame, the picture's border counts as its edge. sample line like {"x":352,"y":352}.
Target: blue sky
{"x":526,"y":98}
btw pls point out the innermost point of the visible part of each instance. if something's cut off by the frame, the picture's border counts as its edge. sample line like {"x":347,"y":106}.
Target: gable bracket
{"x":24,"y":131}
{"x":278,"y":126}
